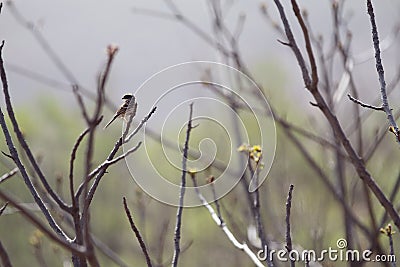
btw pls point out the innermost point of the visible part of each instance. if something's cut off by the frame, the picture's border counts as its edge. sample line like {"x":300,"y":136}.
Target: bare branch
{"x":220,"y":223}
{"x":3,"y":208}
{"x":8,"y":175}
{"x":256,"y":206}
{"x":137,"y":233}
{"x":108,"y":163}
{"x":21,"y":138}
{"x":81,"y":103}
{"x":16,"y":159}
{"x":177,"y":234}
{"x":67,"y":244}
{"x":293,"y":44}
{"x":142,"y":122}
{"x":194,"y":28}
{"x":217,"y":206}
{"x":75,"y":213}
{"x":358,"y":164}
{"x":379,"y":68}
{"x":325,"y":179}
{"x":288,"y":237}
{"x":314,"y":72}
{"x":71,"y":163}
{"x":388,"y":231}
{"x":363,"y":104}
{"x":153,"y":13}
{"x":92,"y":125}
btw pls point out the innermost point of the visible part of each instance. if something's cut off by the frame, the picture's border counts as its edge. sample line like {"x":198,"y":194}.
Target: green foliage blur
{"x":51,"y":128}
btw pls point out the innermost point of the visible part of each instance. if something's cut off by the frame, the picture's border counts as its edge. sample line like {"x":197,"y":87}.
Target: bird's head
{"x":127,"y":96}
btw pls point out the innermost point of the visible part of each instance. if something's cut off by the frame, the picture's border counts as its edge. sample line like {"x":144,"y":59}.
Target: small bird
{"x":128,"y":108}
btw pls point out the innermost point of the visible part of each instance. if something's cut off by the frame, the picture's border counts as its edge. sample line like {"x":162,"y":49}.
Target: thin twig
{"x":388,"y":231}
{"x":91,"y":122}
{"x":390,"y":235}
{"x":5,"y":260}
{"x":392,"y":197}
{"x":75,"y":213}
{"x":8,"y":175}
{"x":288,"y":236}
{"x":107,"y":251}
{"x":314,"y":73}
{"x":71,"y":165}
{"x":3,"y":208}
{"x":161,"y":242}
{"x":293,"y":43}
{"x":137,"y":233}
{"x":53,"y":83}
{"x":385,"y":214}
{"x":256,"y":206}
{"x":363,"y":104}
{"x":217,"y":206}
{"x":72,"y":160}
{"x":379,"y":69}
{"x":81,"y":103}
{"x":220,"y":223}
{"x":142,"y":122}
{"x":177,"y":234}
{"x":194,"y":28}
{"x":380,"y":136}
{"x":16,"y":159}
{"x":21,"y":138}
{"x":108,"y":163}
{"x":325,"y":179}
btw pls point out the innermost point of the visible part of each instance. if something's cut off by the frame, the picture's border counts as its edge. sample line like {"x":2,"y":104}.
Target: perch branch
{"x":111,"y":156}
{"x":142,"y":122}
{"x":108,"y":163}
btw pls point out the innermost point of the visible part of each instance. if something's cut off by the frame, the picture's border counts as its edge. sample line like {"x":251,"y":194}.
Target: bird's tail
{"x":113,"y":119}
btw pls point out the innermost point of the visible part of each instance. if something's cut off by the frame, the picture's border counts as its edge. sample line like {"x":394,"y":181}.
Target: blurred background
{"x":151,"y":39}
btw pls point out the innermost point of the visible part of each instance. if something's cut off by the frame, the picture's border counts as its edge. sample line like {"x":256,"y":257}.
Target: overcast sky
{"x":79,"y":31}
